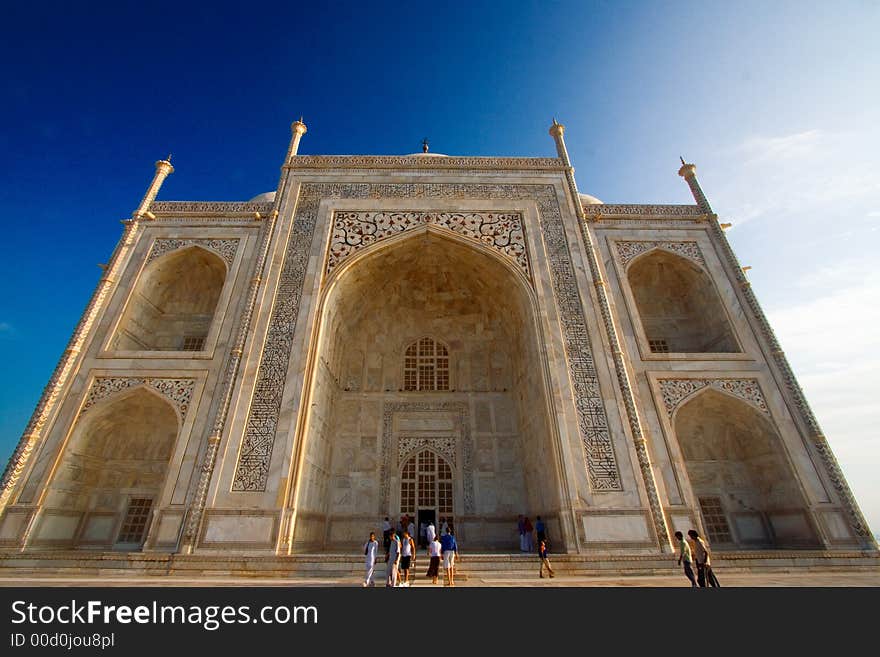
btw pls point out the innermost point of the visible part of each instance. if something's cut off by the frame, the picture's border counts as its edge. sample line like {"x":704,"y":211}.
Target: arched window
{"x":426,"y":366}
{"x":426,"y":486}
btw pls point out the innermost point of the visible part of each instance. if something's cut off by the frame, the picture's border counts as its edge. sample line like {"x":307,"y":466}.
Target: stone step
{"x":337,"y":566}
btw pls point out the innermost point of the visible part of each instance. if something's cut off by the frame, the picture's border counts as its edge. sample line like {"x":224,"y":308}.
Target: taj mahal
{"x":438,"y":336}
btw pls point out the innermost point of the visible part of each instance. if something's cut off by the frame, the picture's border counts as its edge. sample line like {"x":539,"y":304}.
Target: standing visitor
{"x":430,"y":532}
{"x":542,"y":553}
{"x":423,"y":534}
{"x":449,"y":549}
{"x":393,"y":559}
{"x":684,"y":555}
{"x":371,"y":547}
{"x":703,"y":560}
{"x":411,"y":528}
{"x":520,"y":529}
{"x":386,"y":532}
{"x":527,"y":534}
{"x":540,"y":530}
{"x":407,"y":556}
{"x":434,"y":552}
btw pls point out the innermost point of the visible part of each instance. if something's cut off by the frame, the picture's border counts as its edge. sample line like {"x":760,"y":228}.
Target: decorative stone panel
{"x":408,"y":445}
{"x":462,"y":428}
{"x":224,"y":248}
{"x":178,"y":391}
{"x":627,"y":251}
{"x":675,"y":391}
{"x":252,"y":470}
{"x":352,"y":231}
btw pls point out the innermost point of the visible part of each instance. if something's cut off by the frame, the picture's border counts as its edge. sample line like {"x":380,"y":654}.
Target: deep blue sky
{"x":775,"y":102}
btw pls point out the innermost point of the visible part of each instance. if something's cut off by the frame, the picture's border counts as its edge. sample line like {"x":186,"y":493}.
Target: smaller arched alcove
{"x":678,"y":306}
{"x":744,"y":486}
{"x":114,"y":468}
{"x":173,"y":304}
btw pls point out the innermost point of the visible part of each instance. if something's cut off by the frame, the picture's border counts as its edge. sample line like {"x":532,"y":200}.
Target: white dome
{"x":265,"y":197}
{"x":586,"y":199}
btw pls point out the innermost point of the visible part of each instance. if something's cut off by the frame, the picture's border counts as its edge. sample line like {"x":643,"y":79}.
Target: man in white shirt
{"x":430,"y":532}
{"x":371,"y":547}
{"x":393,"y":560}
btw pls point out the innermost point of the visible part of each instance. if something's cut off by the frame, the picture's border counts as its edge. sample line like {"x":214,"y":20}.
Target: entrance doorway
{"x":426,"y":489}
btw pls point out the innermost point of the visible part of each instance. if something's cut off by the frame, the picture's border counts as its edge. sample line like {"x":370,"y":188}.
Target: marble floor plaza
{"x":256,"y":385}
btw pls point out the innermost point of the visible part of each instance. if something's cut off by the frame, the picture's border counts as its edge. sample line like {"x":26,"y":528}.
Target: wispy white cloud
{"x":810,"y":175}
{"x":833,"y":344}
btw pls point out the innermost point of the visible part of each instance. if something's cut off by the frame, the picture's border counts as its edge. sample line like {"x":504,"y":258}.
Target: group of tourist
{"x":529,"y":535}
{"x":400,"y":552}
{"x":695,"y":550}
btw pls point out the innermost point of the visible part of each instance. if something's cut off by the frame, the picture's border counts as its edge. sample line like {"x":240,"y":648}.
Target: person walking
{"x":684,"y":556}
{"x":703,"y":559}
{"x":407,"y":557}
{"x":430,"y":532}
{"x":393,"y":559}
{"x":371,"y":548}
{"x":542,"y":553}
{"x":520,"y":528}
{"x":449,"y":548}
{"x":423,"y":534}
{"x":435,"y":549}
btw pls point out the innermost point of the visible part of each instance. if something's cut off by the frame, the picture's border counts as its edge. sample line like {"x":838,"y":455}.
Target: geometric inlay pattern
{"x":353,"y":231}
{"x":178,"y":391}
{"x":252,"y":470}
{"x":224,"y":248}
{"x":626,"y":251}
{"x":675,"y":391}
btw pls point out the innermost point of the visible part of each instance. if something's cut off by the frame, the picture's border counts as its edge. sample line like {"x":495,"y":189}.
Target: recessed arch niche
{"x":174,"y":301}
{"x":118,"y":452}
{"x":678,"y":305}
{"x":461,"y":294}
{"x":741,"y":479}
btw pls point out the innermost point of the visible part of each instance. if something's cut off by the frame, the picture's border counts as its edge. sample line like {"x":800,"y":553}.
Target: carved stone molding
{"x":409,"y":445}
{"x":627,"y":251}
{"x":352,"y":231}
{"x":178,"y":391}
{"x":462,"y":428}
{"x":675,"y":391}
{"x":252,"y":470}
{"x":209,"y":208}
{"x":226,"y":249}
{"x":420,"y":162}
{"x":625,"y":210}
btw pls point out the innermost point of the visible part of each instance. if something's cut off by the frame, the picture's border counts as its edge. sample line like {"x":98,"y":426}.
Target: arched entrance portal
{"x":744,"y":487}
{"x":429,"y":344}
{"x":426,"y":482}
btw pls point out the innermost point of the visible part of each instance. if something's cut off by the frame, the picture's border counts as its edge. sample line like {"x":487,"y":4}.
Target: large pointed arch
{"x":425,"y":282}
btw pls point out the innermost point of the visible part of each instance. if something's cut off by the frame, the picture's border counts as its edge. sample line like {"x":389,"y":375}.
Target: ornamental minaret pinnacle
{"x":557,"y":130}
{"x":298,"y":128}
{"x":689,"y":173}
{"x":163,"y":170}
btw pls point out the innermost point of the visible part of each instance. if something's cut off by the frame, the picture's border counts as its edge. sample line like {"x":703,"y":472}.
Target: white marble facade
{"x":241,"y":382}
